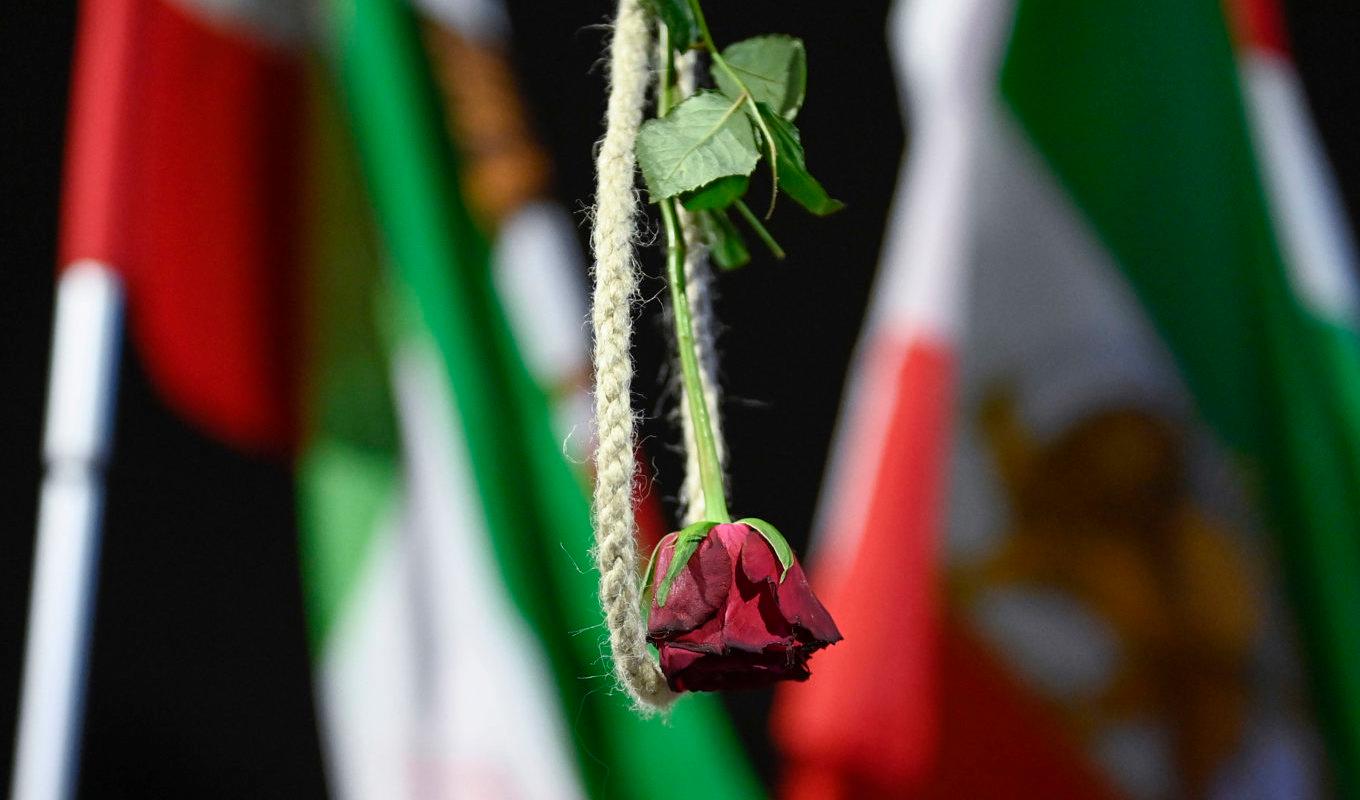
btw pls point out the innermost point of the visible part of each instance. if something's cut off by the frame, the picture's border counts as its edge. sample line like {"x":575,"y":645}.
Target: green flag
{"x":1190,"y":157}
{"x":467,"y":474}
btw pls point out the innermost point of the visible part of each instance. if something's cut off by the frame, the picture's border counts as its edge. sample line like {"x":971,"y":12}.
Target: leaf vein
{"x":709,"y":134}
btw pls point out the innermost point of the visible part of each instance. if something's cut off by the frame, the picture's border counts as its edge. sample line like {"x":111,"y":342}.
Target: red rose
{"x":734,"y":617}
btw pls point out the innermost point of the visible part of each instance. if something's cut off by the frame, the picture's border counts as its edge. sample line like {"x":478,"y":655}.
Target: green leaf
{"x":773,"y":68}
{"x":718,"y":194}
{"x":777,"y":541}
{"x":725,"y":244}
{"x":794,"y":177}
{"x":686,"y":542}
{"x":702,"y":139}
{"x":679,"y":20}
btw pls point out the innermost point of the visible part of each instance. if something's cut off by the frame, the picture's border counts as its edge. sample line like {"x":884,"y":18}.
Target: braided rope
{"x":616,"y":206}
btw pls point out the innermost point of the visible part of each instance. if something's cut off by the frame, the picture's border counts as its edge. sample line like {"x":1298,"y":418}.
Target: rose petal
{"x":696,"y":594}
{"x":707,"y":638}
{"x":752,"y":618}
{"x":674,"y":662}
{"x":708,"y":673}
{"x":758,"y":560}
{"x":802,"y":608}
{"x":733,"y":537}
{"x":664,"y":550}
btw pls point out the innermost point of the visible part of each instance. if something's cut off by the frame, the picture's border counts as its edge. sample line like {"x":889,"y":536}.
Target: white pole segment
{"x":80,"y":400}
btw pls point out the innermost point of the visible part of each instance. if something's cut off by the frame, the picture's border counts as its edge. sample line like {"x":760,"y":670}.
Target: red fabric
{"x":908,"y":706}
{"x":99,"y":176}
{"x":181,"y":175}
{"x":651,"y":523}
{"x":995,"y":741}
{"x":871,"y":710}
{"x":1259,"y":24}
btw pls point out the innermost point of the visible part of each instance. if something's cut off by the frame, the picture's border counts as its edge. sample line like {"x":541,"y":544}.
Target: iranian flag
{"x":1112,"y":366}
{"x":469,"y":513}
{"x":458,"y":632}
{"x":307,"y":275}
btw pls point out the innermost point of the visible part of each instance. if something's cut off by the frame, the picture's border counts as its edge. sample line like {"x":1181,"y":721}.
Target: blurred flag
{"x":469,"y":656}
{"x":177,"y":200}
{"x":428,"y":678}
{"x":290,"y":302}
{"x":539,"y":272}
{"x":181,"y":177}
{"x":1117,"y":301}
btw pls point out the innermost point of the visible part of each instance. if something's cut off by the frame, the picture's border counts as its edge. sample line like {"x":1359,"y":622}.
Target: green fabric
{"x":347,"y":470}
{"x":1136,"y":107}
{"x":343,"y":493}
{"x":535,"y":508}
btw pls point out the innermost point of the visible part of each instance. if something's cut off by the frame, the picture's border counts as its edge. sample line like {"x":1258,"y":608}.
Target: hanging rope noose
{"x":616,"y":206}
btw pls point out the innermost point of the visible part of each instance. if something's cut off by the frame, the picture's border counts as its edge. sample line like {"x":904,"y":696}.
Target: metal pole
{"x":81,"y":389}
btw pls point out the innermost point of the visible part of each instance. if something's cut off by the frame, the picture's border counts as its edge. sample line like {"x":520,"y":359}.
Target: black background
{"x":199,"y":674}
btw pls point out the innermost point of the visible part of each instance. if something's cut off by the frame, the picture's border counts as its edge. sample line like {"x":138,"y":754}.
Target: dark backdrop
{"x":199,"y":677}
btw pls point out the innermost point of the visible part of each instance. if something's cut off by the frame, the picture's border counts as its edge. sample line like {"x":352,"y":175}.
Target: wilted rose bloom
{"x":728,"y":622}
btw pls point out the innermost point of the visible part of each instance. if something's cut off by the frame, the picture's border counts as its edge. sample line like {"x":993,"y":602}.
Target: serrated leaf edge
{"x":743,"y":103}
{"x":799,"y":51}
{"x":708,"y":135}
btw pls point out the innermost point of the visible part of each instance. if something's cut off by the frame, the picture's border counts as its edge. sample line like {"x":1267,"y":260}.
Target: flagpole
{"x":80,"y":399}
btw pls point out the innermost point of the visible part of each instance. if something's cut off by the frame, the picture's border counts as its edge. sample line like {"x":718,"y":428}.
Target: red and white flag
{"x":182,"y":178}
{"x":870,"y":723}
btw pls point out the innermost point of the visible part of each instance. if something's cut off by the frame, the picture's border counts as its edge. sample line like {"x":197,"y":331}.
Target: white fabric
{"x":540,"y":276}
{"x":432,"y":683}
{"x":1314,"y":235}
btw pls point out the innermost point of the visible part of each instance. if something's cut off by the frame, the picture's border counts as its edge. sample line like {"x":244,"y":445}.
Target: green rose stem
{"x":755,"y":112}
{"x":754,"y":222}
{"x":710,"y":470}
